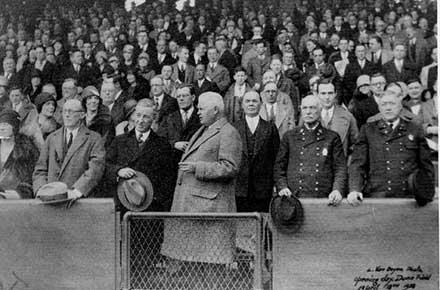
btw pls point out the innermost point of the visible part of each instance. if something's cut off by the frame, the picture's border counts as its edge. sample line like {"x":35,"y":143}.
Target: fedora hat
{"x":421,"y":186}
{"x":53,"y":193}
{"x":286,"y":214}
{"x":136,"y":193}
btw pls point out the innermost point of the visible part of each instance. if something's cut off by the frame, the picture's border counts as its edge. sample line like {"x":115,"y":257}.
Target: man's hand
{"x":187,"y":166}
{"x":334,"y":198}
{"x":285,"y":192}
{"x":181,"y":145}
{"x":74,"y":194}
{"x":126,"y":172}
{"x":355,"y":198}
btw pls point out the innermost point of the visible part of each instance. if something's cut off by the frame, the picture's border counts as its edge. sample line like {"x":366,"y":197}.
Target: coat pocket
{"x":205,"y":193}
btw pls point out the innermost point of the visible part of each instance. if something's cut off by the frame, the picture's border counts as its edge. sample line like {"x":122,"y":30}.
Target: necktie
{"x":185,"y":118}
{"x":212,"y":68}
{"x":156,"y":103}
{"x":139,"y":139}
{"x":374,"y":57}
{"x":69,"y":141}
{"x":399,"y":66}
{"x":326,"y":119}
{"x":272,"y":114}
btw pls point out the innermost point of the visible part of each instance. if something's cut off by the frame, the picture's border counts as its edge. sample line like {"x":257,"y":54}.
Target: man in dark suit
{"x":201,"y":84}
{"x":226,"y":58}
{"x":311,"y":160}
{"x":75,"y":70}
{"x":199,"y":54}
{"x":142,"y":150}
{"x":260,"y":140}
{"x":144,"y":44}
{"x":360,"y":66}
{"x":162,"y":57}
{"x":389,"y":153}
{"x":164,"y":103}
{"x":399,"y":69}
{"x":114,"y":98}
{"x":46,"y":68}
{"x":342,"y":53}
{"x":178,"y":127}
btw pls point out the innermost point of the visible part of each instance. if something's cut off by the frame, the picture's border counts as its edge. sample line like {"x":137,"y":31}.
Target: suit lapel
{"x":59,"y":142}
{"x":280,"y":115}
{"x":263,"y":112}
{"x":80,"y":139}
{"x":241,"y":127}
{"x":260,"y":132}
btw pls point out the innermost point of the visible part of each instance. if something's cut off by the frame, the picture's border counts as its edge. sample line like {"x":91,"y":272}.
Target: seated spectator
{"x":98,"y":117}
{"x":399,"y":68}
{"x":18,"y":155}
{"x":146,"y":70}
{"x":138,"y":87}
{"x":46,"y":104}
{"x":388,"y":154}
{"x":201,"y":84}
{"x":414,"y":100}
{"x":216,"y":72}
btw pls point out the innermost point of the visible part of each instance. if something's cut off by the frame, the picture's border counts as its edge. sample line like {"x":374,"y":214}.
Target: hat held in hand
{"x":286,"y":213}
{"x":53,"y":193}
{"x":136,"y":193}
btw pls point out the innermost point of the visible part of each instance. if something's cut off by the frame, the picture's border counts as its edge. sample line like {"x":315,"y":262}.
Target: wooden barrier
{"x":46,"y":247}
{"x":383,"y":244}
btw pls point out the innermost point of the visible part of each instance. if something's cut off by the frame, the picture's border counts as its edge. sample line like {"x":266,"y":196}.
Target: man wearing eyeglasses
{"x":73,"y":154}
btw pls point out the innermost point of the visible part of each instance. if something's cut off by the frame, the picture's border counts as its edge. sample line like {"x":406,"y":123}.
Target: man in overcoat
{"x":311,"y":160}
{"x":73,"y":154}
{"x":206,"y":183}
{"x":387,"y":153}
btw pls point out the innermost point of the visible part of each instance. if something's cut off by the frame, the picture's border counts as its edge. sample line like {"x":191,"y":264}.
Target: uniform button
{"x":317,"y":182}
{"x":388,"y":168}
{"x":386,"y":143}
{"x":401,"y":162}
{"x":300,"y":181}
{"x":317,"y":165}
{"x":403,"y":188}
{"x":303,"y":139}
{"x":317,"y":154}
{"x":300,"y":187}
{"x":389,"y":188}
{"x":388,"y":162}
{"x":317,"y":148}
{"x":301,"y":164}
{"x":401,"y":150}
{"x":387,"y":149}
{"x":402,"y":168}
{"x":403,"y":181}
{"x":302,"y":153}
{"x":400,"y":143}
{"x":300,"y":169}
{"x":317,"y":170}
{"x":389,"y":181}
{"x":316,"y":189}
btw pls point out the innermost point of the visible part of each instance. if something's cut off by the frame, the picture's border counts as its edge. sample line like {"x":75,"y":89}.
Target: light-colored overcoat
{"x":216,"y":152}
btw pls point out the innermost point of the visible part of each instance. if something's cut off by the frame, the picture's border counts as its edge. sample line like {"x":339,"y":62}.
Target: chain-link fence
{"x":167,"y":251}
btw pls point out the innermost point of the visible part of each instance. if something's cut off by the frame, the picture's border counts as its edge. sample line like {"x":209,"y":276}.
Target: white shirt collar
{"x":144,"y":135}
{"x":74,"y":133}
{"x":188,"y":112}
{"x":252,"y":122}
{"x":159,"y":100}
{"x":118,"y":94}
{"x":330,"y":111}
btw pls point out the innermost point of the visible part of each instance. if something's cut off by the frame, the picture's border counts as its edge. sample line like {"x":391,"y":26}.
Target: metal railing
{"x":148,"y":264}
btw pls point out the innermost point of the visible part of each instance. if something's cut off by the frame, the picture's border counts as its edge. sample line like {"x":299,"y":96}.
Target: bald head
{"x":210,"y":108}
{"x":251,"y":103}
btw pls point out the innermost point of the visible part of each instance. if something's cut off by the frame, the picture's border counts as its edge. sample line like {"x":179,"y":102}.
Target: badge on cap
{"x":411,"y":137}
{"x":324,"y":152}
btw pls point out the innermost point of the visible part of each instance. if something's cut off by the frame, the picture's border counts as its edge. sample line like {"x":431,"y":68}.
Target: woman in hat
{"x":145,"y":68}
{"x":138,"y":87}
{"x":18,"y":155}
{"x":98,"y":117}
{"x":46,"y":104}
{"x":127,"y":125}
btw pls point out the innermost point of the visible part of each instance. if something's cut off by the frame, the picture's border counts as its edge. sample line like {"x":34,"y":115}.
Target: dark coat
{"x":227,"y":59}
{"x":311,"y":164}
{"x":168,"y":106}
{"x":383,"y":159}
{"x":392,"y":74}
{"x":16,"y":173}
{"x":157,"y":66}
{"x":117,"y":111}
{"x":363,"y":107}
{"x":154,"y":159}
{"x":172,"y":129}
{"x":85,"y":77}
{"x":352,"y":72}
{"x":207,"y":86}
{"x":102,"y":123}
{"x":255,"y":178}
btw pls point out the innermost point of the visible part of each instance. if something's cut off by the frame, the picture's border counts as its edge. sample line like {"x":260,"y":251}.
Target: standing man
{"x":336,"y":118}
{"x":216,"y":72}
{"x":258,"y":65}
{"x":142,"y":150}
{"x":260,"y":147}
{"x":399,"y":69}
{"x":311,"y":161}
{"x":183,"y":72}
{"x":201,"y":84}
{"x":178,"y":127}
{"x":206,"y":183}
{"x":391,"y":158}
{"x":73,"y":154}
{"x":277,"y":108}
{"x":164,"y":103}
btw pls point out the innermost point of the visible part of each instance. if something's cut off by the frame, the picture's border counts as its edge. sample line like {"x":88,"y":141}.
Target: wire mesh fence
{"x":166,"y":251}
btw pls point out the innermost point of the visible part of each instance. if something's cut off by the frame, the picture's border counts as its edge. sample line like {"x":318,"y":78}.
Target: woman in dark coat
{"x":18,"y":155}
{"x":98,"y":117}
{"x":46,"y":105}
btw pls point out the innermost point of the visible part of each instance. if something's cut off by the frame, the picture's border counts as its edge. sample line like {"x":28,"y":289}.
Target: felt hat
{"x":12,"y":118}
{"x":89,"y":91}
{"x":43,"y":98}
{"x":422,"y":186}
{"x":362,"y":80}
{"x":53,"y":193}
{"x":286,"y":214}
{"x":136,"y":193}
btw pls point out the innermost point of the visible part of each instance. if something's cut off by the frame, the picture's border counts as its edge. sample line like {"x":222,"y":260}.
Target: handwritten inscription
{"x":391,"y":277}
{"x":17,"y":284}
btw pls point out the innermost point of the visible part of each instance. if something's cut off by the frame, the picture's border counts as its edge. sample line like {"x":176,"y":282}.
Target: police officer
{"x":391,"y":158}
{"x":311,"y":160}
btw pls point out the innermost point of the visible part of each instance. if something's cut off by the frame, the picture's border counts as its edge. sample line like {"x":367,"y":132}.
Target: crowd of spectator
{"x":109,"y":65}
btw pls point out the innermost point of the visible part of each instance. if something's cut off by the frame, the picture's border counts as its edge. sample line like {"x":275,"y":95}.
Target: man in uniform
{"x":311,"y":160}
{"x":390,"y":156}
